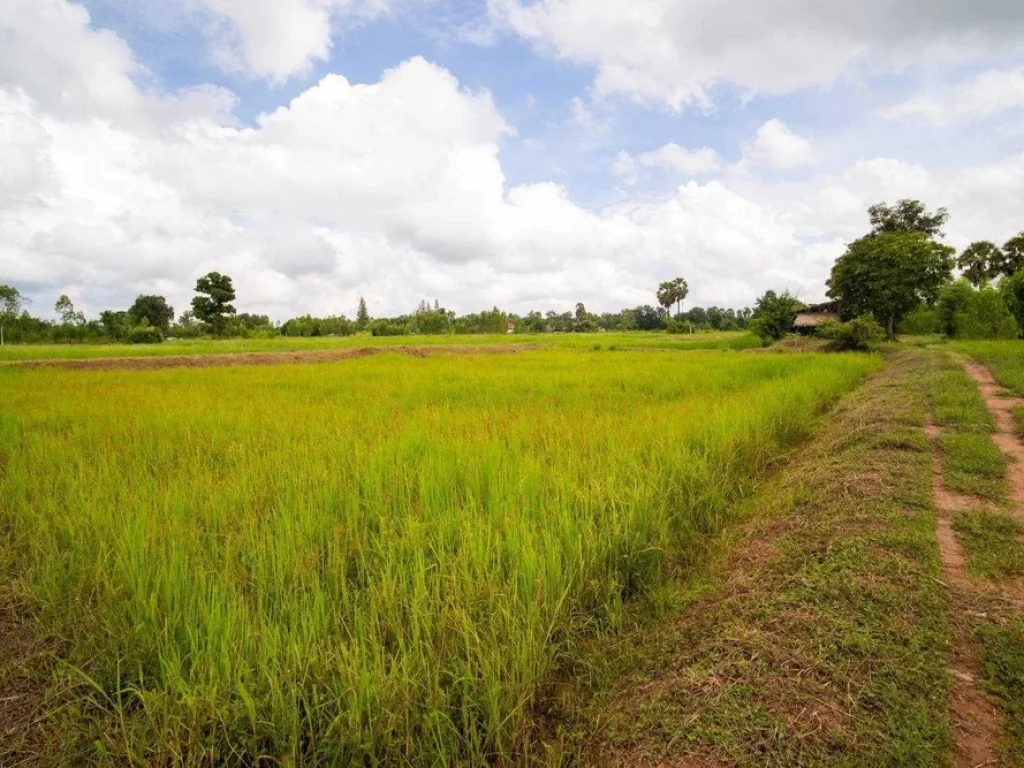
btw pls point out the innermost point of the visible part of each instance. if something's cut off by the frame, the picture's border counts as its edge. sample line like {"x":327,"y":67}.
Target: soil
{"x":268,"y":358}
{"x":22,"y":688}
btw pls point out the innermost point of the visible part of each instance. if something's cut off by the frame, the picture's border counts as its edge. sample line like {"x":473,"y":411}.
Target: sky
{"x":525,"y":154}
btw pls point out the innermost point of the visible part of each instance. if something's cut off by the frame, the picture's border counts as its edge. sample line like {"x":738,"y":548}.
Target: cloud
{"x":393,"y":190}
{"x":987,"y":94}
{"x":687,"y":162}
{"x":676,"y":52}
{"x":776,"y":147}
{"x":272,"y":40}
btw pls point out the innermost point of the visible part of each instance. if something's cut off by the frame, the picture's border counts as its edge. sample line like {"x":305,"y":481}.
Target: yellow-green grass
{"x":620,"y":340}
{"x":379,"y":561}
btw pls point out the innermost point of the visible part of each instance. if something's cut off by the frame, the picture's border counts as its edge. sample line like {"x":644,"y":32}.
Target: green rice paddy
{"x":385,"y":560}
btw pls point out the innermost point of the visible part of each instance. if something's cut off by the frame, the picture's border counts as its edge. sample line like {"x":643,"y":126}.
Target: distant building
{"x":511,"y":328}
{"x":811,"y":317}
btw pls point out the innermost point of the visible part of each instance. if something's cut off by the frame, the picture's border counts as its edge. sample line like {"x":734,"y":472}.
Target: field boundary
{"x":216,"y":360}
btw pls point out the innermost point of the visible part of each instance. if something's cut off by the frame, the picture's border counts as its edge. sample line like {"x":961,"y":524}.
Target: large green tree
{"x":673,"y":292}
{"x":213,"y":305}
{"x":907,"y":216}
{"x":11,"y":305}
{"x":1011,"y":257}
{"x":889,"y":273}
{"x":153,"y":309}
{"x":979,"y":262}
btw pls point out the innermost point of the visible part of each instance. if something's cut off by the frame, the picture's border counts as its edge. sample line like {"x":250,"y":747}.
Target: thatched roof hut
{"x":812,"y":316}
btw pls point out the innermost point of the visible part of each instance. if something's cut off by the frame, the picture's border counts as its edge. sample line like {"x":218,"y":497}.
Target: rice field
{"x":620,"y":340}
{"x":381,"y":561}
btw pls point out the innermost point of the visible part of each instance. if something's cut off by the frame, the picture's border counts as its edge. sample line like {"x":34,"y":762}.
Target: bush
{"x":387,"y":328}
{"x":860,"y":333}
{"x":145,"y":335}
{"x":672,"y":325}
{"x":921,"y":322}
{"x":773,"y":318}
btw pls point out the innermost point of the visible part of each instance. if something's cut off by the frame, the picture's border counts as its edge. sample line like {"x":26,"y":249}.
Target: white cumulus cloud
{"x":987,"y":94}
{"x":393,"y":190}
{"x":775,"y":146}
{"x":675,"y":52}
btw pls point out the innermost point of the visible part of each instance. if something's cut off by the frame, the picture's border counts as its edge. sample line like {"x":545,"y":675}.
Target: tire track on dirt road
{"x":975,"y":721}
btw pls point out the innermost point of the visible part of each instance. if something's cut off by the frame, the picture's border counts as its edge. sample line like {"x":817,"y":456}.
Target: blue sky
{"x":524,"y":154}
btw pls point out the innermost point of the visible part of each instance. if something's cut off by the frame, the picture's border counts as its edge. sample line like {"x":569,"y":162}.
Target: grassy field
{"x":626,"y":340}
{"x":382,"y":561}
{"x":1004,"y":358}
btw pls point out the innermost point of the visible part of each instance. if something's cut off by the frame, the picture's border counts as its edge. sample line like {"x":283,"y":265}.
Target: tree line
{"x":897,"y":277}
{"x":151,"y":319}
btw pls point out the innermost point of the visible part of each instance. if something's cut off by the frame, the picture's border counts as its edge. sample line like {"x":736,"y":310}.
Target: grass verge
{"x":990,"y":541}
{"x":1002,"y":654}
{"x":974,"y":465}
{"x":821,"y":639}
{"x":956,"y":402}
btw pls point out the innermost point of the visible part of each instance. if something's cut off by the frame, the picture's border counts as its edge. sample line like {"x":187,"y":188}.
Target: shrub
{"x":387,"y":328}
{"x":672,"y":325}
{"x":860,"y":333}
{"x":921,"y":322}
{"x":145,"y":335}
{"x":773,"y":318}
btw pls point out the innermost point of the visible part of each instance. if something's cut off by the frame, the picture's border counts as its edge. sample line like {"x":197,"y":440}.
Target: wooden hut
{"x":812,"y":316}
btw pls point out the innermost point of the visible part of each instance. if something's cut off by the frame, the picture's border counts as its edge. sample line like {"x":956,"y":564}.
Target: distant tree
{"x":907,"y":216}
{"x":1012,"y":290}
{"x":967,"y":313}
{"x":673,"y":292}
{"x":774,"y":315}
{"x":66,"y":311}
{"x":116,"y":324}
{"x":155,"y":310}
{"x":979,"y":262}
{"x":535,"y":322}
{"x":213,"y":305}
{"x":362,"y":314}
{"x":11,"y":306}
{"x":1011,"y":257}
{"x":581,"y":312}
{"x":889,"y":274}
{"x":648,"y":318}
